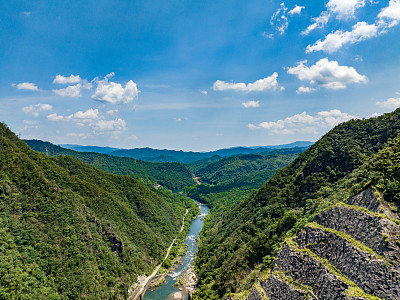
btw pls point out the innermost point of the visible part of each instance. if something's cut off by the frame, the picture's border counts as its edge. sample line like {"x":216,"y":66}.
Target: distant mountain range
{"x":164,"y":155}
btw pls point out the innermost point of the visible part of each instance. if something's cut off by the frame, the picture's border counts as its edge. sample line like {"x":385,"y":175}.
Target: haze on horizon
{"x":195,"y":76}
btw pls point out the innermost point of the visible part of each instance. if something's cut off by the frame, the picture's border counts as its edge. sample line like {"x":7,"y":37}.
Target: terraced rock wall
{"x":351,"y":251}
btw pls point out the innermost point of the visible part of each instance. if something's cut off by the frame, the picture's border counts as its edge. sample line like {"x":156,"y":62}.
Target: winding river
{"x":167,"y":290}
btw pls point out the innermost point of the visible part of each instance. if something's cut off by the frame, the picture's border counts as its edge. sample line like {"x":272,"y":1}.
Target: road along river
{"x":167,"y":289}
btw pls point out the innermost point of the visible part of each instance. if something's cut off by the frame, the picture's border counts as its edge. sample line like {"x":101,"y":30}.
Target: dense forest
{"x":225,"y":181}
{"x":172,"y":175}
{"x":239,"y":243}
{"x":69,"y":230}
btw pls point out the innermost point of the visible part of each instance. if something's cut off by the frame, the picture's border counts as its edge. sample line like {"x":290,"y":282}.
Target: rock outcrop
{"x":351,"y":251}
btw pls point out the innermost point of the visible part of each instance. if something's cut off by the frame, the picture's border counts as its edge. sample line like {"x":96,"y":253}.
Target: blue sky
{"x":195,"y":75}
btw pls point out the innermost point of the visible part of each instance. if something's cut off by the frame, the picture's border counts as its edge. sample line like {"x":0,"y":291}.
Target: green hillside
{"x":69,"y":230}
{"x":229,"y":180}
{"x":173,"y":176}
{"x":237,"y":244}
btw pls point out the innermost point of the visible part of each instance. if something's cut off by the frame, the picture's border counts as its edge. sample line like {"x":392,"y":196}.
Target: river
{"x":167,"y":290}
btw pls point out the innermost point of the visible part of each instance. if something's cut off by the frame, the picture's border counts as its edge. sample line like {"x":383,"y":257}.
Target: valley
{"x":270,"y":213}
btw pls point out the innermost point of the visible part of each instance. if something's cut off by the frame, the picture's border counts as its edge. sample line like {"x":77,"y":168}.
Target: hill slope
{"x":231,"y":179}
{"x":172,"y":175}
{"x":157,"y":155}
{"x":69,"y":230}
{"x":240,"y":242}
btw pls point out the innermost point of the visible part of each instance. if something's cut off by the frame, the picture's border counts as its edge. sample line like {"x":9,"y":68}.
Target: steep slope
{"x":240,"y":242}
{"x":352,"y":250}
{"x":234,"y":178}
{"x":173,"y":176}
{"x":71,"y":231}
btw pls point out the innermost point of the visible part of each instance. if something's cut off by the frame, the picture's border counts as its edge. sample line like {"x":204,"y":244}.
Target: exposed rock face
{"x":351,"y":252}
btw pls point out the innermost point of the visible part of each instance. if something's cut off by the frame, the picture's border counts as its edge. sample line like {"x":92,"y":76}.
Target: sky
{"x":195,"y":75}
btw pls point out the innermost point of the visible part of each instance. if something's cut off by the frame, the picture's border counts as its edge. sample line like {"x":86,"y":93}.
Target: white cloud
{"x":93,"y":119}
{"x":204,"y":92}
{"x":334,"y":41}
{"x":279,"y":20}
{"x":304,"y":123}
{"x":27,"y":13}
{"x":178,"y":119}
{"x":327,"y":74}
{"x":72,"y":79}
{"x":90,"y":114}
{"x":344,"y":8}
{"x":305,"y":90}
{"x":55,"y":117}
{"x":390,"y":103}
{"x":392,"y":11}
{"x":72,"y":91}
{"x":251,"y":104}
{"x":36,"y":109}
{"x":110,"y":125}
{"x":319,"y":22}
{"x":26,"y":86}
{"x":266,"y":84}
{"x":115,"y":93}
{"x":296,"y":10}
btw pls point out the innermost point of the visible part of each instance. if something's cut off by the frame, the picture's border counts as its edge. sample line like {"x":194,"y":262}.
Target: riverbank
{"x":143,"y":283}
{"x":168,"y":290}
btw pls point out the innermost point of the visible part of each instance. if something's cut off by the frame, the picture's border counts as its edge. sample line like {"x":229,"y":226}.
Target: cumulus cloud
{"x":390,"y":103}
{"x":392,"y":11}
{"x":72,"y":91}
{"x":72,"y":79}
{"x":115,"y":93}
{"x":110,"y":125}
{"x":327,"y":74}
{"x":251,"y":104}
{"x":305,"y":90}
{"x":387,"y":18}
{"x":304,"y":123}
{"x":93,"y":119}
{"x":26,"y":86}
{"x":334,"y":41}
{"x":266,"y":84}
{"x":55,"y":117}
{"x":36,"y":109}
{"x":296,"y":10}
{"x":342,"y":9}
{"x":204,"y":92}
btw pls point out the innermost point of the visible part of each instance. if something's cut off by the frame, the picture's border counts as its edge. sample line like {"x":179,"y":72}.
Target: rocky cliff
{"x":350,"y":251}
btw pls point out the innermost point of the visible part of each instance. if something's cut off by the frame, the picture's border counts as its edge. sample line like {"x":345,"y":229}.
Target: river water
{"x":167,"y":290}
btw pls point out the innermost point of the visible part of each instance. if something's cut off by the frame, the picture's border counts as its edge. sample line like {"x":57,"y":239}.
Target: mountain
{"x":173,"y":176}
{"x":156,"y":155}
{"x":69,"y":230}
{"x":97,"y":149}
{"x":225,"y":181}
{"x":241,"y":245}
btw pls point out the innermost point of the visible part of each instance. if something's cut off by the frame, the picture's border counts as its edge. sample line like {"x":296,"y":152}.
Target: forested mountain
{"x":173,"y":176}
{"x":238,"y":244}
{"x":226,"y":181}
{"x":156,"y":155}
{"x":69,"y":230}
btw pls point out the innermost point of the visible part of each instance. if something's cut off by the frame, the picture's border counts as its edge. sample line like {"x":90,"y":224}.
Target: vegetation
{"x":173,"y":176}
{"x":156,"y":155}
{"x":229,"y":180}
{"x":69,"y":230}
{"x":349,"y":158}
